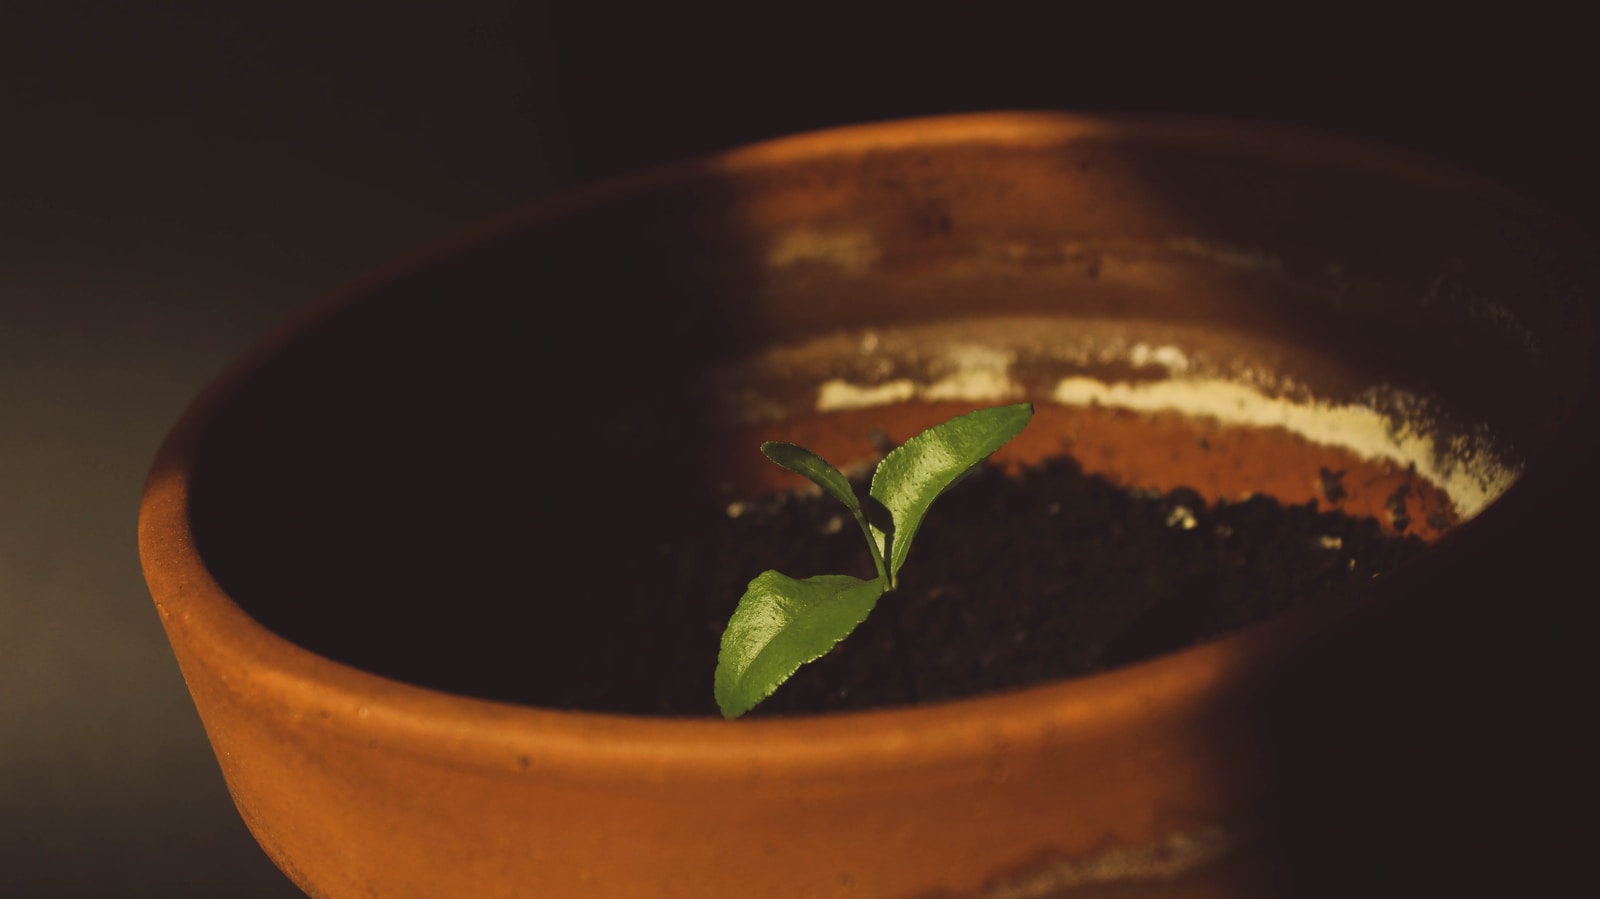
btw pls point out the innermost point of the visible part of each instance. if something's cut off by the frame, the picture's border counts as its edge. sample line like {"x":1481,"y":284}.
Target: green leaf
{"x":820,"y":471}
{"x":782,"y":623}
{"x":918,"y":471}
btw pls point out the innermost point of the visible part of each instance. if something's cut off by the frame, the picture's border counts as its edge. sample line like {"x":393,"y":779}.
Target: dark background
{"x":1503,"y":93}
{"x":176,"y":177}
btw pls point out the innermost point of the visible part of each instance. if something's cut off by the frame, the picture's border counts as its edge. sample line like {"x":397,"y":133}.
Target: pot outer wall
{"x":1370,"y":746}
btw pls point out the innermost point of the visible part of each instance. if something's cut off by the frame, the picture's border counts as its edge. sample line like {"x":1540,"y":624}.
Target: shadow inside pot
{"x":1439,"y":750}
{"x":452,"y":480}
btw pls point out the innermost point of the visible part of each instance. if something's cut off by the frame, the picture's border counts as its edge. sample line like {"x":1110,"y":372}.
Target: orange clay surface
{"x":1158,"y":451}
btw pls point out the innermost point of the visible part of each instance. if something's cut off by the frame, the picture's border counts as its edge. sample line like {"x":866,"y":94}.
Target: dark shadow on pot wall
{"x":1422,"y":279}
{"x":439,"y":483}
{"x":1429,"y":745}
{"x":1437,"y":746}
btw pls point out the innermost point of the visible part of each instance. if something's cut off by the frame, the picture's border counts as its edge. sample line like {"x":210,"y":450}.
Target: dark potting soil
{"x":1013,"y":580}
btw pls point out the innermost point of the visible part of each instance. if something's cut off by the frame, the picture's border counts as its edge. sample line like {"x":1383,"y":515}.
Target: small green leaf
{"x":782,"y":623}
{"x":820,"y":471}
{"x":918,"y":471}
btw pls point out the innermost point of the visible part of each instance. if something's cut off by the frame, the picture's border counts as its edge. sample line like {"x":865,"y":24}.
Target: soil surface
{"x":1013,"y":580}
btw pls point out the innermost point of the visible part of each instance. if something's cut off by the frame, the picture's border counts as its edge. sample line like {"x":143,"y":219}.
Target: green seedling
{"x":782,"y":623}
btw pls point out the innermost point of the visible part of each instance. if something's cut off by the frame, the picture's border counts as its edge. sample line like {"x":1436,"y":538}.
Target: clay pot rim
{"x":313,"y":691}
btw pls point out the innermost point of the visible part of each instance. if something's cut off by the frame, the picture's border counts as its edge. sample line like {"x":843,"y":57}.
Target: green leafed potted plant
{"x":782,"y":623}
{"x":434,"y":558}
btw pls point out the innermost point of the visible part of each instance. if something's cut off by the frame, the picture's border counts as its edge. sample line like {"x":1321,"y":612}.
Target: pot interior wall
{"x":460,"y":479}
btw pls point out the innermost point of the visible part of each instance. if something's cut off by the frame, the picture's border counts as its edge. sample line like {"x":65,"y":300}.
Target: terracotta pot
{"x":344,"y":535}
